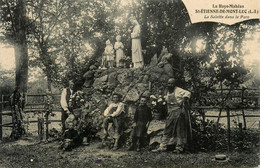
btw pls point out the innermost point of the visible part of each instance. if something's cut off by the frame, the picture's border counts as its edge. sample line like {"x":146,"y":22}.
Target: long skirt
{"x":137,"y":56}
{"x":177,"y":126}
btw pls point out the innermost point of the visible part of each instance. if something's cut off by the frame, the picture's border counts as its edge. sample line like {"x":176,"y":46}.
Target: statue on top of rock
{"x":167,"y":62}
{"x":119,"y":51}
{"x":109,"y":56}
{"x":137,"y":57}
{"x":164,"y":56}
{"x":89,"y":76}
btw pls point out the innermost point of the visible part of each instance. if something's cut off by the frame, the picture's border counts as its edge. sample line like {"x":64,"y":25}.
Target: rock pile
{"x":130,"y":83}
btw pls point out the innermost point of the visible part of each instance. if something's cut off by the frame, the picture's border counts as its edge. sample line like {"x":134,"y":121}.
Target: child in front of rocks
{"x":70,"y":138}
{"x":142,"y":118}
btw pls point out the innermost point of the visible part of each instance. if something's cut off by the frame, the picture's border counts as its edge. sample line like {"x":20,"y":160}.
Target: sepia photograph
{"x":129,"y":83}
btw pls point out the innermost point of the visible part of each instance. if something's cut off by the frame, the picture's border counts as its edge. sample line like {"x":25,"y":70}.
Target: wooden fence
{"x":2,"y":104}
{"x":35,"y":103}
{"x":235,"y":99}
{"x":230,"y":99}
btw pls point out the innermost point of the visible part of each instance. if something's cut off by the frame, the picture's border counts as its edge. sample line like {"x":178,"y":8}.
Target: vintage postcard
{"x":129,"y":83}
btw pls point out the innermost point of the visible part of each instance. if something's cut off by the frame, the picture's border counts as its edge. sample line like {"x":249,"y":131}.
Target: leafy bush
{"x":208,"y":137}
{"x":245,"y":140}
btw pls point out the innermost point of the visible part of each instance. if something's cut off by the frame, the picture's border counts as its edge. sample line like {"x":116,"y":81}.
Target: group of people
{"x":177,"y":123}
{"x":115,"y":114}
{"x":113,"y":55}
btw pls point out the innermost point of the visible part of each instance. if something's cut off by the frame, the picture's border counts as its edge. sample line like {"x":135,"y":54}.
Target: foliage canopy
{"x":66,"y":36}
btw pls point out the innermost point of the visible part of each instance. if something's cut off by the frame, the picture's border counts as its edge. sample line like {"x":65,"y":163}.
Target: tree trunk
{"x":21,"y":50}
{"x":49,"y":82}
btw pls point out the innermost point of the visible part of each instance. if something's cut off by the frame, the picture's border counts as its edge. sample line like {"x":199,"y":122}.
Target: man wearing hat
{"x":177,"y":124}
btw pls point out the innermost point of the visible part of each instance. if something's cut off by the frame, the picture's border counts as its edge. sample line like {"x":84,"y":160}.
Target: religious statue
{"x":109,"y":54}
{"x":164,"y":61}
{"x":137,"y":57}
{"x":119,"y":51}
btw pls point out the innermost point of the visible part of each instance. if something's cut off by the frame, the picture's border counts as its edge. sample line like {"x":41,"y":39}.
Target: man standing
{"x":66,"y":103}
{"x":177,"y":124}
{"x":113,"y":114}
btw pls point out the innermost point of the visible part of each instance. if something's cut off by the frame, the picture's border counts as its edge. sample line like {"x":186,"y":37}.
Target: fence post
{"x":240,"y":128}
{"x":219,"y":115}
{"x":40,"y":128}
{"x":47,"y":126}
{"x":220,"y":110}
{"x":242,"y":100}
{"x":1,"y":110}
{"x":228,"y":125}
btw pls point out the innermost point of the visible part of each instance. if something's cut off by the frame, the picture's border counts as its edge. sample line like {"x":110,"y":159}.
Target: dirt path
{"x":30,"y":153}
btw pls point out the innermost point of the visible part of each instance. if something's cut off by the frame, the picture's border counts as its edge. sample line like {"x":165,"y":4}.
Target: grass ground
{"x":28,"y":152}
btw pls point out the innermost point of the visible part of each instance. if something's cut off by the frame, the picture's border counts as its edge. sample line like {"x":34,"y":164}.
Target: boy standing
{"x":142,"y":118}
